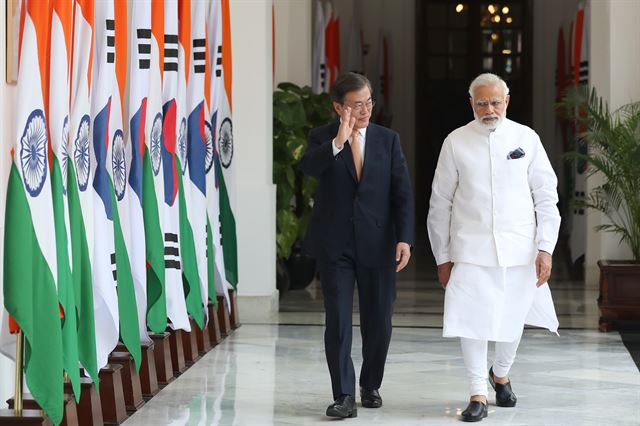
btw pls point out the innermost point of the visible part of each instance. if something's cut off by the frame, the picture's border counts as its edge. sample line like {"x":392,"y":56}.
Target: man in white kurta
{"x":493,"y":224}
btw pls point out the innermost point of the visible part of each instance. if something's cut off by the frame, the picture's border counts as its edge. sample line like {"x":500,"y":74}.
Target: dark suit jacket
{"x":379,"y":208}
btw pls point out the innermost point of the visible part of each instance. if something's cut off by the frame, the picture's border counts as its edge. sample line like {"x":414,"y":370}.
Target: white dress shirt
{"x":488,"y":208}
{"x":363,"y":138}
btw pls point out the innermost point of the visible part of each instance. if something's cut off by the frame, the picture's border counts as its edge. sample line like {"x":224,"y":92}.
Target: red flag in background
{"x":332,"y":44}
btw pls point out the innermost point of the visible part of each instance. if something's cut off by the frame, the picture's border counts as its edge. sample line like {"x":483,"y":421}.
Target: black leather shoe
{"x":504,"y":394}
{"x":344,"y":406}
{"x":475,"y":412}
{"x":370,"y":398}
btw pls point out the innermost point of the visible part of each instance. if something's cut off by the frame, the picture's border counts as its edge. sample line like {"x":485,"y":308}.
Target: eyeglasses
{"x":359,"y":106}
{"x":483,"y":103}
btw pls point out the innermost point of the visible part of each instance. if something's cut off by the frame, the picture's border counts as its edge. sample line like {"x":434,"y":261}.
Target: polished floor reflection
{"x":276,"y":375}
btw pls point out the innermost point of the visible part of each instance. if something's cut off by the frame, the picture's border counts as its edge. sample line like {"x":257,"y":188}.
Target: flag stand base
{"x":202,"y":339}
{"x":26,"y":418}
{"x":114,"y":410}
{"x":190,"y":344}
{"x":70,"y":417}
{"x":223,"y":317}
{"x":162,"y":358}
{"x":148,"y":375}
{"x":214,"y":325}
{"x":235,"y":316}
{"x":130,"y":380}
{"x":89,"y":408}
{"x":177,"y":351}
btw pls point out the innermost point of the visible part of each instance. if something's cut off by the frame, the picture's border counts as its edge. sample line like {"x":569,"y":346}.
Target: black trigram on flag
{"x":111,"y":41}
{"x":114,"y":270}
{"x":171,"y":251}
{"x":219,"y":61}
{"x":323,"y":75}
{"x":144,"y":48}
{"x":199,"y":52}
{"x":171,"y":52}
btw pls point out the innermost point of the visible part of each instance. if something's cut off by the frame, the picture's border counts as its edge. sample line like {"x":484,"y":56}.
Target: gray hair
{"x":348,"y":82}
{"x":487,"y":79}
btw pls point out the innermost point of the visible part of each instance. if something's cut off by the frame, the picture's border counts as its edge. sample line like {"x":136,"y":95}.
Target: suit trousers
{"x":474,"y":353}
{"x":377,"y":293}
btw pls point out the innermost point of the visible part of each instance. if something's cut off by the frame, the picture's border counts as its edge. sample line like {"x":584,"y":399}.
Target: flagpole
{"x":17,"y":406}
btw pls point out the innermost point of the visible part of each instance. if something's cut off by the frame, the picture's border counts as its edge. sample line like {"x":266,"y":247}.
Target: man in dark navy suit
{"x":361,"y":230}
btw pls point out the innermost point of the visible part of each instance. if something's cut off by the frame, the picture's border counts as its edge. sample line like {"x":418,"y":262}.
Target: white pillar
{"x":614,"y":67}
{"x":253,"y":142}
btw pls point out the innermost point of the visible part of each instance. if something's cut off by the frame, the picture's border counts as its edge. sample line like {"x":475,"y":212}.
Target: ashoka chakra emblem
{"x":182,"y":145}
{"x":225,"y":143}
{"x":65,"y":154}
{"x":118,"y":165}
{"x":33,"y":153}
{"x":156,"y":144}
{"x":208,"y":146}
{"x":81,"y":157}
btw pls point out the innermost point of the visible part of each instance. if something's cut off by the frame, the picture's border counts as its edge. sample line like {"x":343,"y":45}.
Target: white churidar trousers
{"x":474,"y":353}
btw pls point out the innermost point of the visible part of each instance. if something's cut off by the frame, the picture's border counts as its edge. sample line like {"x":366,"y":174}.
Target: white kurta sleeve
{"x":445,"y":183}
{"x":543,"y":185}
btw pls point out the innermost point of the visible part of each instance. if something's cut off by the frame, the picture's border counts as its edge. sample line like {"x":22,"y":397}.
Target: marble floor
{"x":276,"y":375}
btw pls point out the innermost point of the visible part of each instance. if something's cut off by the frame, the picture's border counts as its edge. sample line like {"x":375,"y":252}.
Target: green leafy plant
{"x":296,"y":110}
{"x":613,"y":149}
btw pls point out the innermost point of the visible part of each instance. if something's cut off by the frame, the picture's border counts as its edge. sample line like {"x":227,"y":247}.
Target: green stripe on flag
{"x":82,"y":280}
{"x":30,"y":298}
{"x":156,"y":296}
{"x":66,"y":293}
{"x":228,"y":231}
{"x":127,"y":307}
{"x":190,"y":277}
{"x":211,"y":260}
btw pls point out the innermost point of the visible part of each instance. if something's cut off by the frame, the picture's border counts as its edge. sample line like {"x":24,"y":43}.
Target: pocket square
{"x":515,"y":154}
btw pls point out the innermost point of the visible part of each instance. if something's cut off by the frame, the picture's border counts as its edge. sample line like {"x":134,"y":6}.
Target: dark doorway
{"x":456,"y":41}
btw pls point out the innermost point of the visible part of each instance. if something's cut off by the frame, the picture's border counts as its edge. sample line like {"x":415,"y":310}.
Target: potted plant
{"x":613,"y":150}
{"x":296,"y":110}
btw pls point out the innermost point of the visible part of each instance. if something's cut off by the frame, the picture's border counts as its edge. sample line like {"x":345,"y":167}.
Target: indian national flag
{"x":80,"y":170}
{"x":195,"y":184}
{"x":217,"y":276}
{"x":122,"y":197}
{"x":140,"y":45}
{"x":153,"y":177}
{"x":174,"y":134}
{"x":30,"y":267}
{"x":188,"y":232}
{"x":224,"y":135}
{"x":58,"y":120}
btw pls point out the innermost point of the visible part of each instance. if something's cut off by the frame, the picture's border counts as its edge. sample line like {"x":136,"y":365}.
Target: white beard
{"x":491,"y":125}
